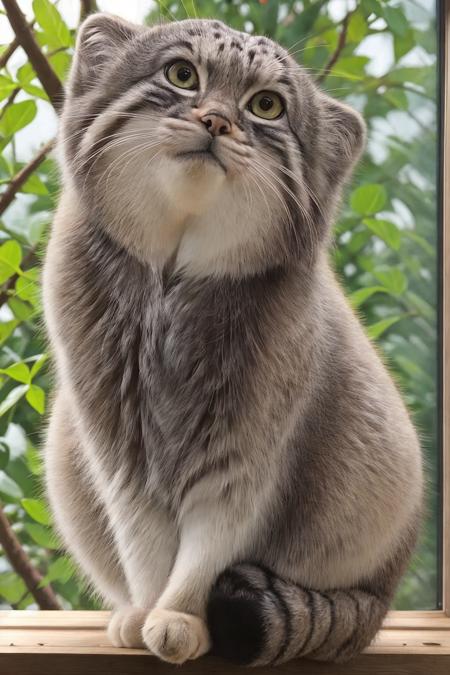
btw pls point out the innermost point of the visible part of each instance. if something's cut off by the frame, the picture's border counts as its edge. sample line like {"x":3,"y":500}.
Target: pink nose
{"x":217,"y":124}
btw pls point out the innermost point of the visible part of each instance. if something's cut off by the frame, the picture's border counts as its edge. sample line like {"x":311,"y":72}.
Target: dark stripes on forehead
{"x":179,"y":44}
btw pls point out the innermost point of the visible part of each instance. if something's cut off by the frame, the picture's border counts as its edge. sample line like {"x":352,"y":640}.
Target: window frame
{"x":68,"y":642}
{"x":445,"y":296}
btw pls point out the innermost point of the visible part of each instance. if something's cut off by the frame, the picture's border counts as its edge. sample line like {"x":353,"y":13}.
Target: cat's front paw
{"x":125,"y":627}
{"x":174,"y":636}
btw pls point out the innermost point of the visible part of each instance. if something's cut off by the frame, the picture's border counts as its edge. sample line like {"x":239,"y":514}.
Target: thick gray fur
{"x":228,"y":458}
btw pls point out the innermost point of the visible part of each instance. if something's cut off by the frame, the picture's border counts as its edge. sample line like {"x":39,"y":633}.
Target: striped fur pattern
{"x":227,"y":457}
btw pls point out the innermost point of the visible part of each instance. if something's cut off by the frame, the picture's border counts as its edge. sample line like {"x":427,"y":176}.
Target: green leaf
{"x":42,"y":358}
{"x":17,"y":116}
{"x":305,"y":20}
{"x":357,"y":27}
{"x":60,"y":570}
{"x":9,"y":487}
{"x":25,"y":74}
{"x":372,"y":7}
{"x":21,"y":310}
{"x":12,"y":587}
{"x":13,"y":397}
{"x":423,"y":243}
{"x":34,"y":186}
{"x":398,"y":98}
{"x":421,"y":306}
{"x":56,"y":32}
{"x":386,"y":231}
{"x":393,"y":279}
{"x":404,"y":43}
{"x":362,"y":294}
{"x":18,"y":371}
{"x":415,"y":75}
{"x":6,"y":86}
{"x":358,"y":241}
{"x":396,"y":20}
{"x":11,"y":254}
{"x":42,"y":535}
{"x":37,"y":510}
{"x":377,"y":329}
{"x":34,"y":460}
{"x":409,"y":366}
{"x":351,"y":67}
{"x":6,"y":328}
{"x":6,"y":272}
{"x":36,"y":398}
{"x":10,"y":258}
{"x":35,"y":90}
{"x":368,"y":199}
{"x":26,"y":288}
{"x":4,"y":455}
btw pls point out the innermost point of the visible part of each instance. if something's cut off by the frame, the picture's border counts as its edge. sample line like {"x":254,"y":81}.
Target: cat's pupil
{"x":184,"y":74}
{"x":265,"y":103}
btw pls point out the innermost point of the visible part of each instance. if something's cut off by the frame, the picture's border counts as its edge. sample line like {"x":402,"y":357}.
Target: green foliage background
{"x":385,"y":240}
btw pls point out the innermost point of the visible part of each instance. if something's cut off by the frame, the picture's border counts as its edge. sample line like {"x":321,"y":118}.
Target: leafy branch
{"x":337,"y":52}
{"x":20,"y":562}
{"x":25,"y":37}
{"x":22,"y":176}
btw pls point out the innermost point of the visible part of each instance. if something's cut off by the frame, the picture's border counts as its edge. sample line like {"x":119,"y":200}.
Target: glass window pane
{"x":381,"y":57}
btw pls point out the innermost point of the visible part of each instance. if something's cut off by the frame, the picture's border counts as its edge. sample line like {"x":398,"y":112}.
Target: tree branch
{"x":38,"y":60}
{"x":22,"y":176}
{"x":87,"y":7}
{"x":337,"y":52}
{"x":10,"y":49}
{"x":20,"y":562}
{"x":10,"y":101}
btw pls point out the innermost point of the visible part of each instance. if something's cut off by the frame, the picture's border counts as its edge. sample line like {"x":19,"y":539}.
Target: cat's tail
{"x":257,"y":618}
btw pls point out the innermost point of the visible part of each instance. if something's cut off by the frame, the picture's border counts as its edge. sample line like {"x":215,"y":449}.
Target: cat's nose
{"x":217,"y":124}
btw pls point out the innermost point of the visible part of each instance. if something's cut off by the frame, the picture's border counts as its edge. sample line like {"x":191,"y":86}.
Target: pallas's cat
{"x":228,"y":459}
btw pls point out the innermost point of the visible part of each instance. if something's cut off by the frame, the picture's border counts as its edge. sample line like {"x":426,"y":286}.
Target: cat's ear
{"x":343,"y":137}
{"x":99,"y":40}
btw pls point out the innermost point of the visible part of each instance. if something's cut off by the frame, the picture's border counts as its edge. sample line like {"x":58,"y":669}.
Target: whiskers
{"x":268,"y":173}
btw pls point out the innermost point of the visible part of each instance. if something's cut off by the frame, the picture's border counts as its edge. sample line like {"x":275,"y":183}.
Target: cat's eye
{"x":182,"y":74}
{"x":266,"y":104}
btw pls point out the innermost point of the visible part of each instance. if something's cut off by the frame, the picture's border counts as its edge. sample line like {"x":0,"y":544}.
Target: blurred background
{"x":378,"y":55}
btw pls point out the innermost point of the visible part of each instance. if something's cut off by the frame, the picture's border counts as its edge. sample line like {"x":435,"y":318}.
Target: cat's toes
{"x":175,"y":636}
{"x":125,"y":627}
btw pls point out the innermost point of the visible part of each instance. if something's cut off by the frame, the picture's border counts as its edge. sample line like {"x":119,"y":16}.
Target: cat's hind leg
{"x":79,"y":515}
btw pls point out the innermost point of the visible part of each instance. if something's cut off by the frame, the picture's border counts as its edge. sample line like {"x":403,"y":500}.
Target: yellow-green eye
{"x":182,"y":74}
{"x":266,"y":104}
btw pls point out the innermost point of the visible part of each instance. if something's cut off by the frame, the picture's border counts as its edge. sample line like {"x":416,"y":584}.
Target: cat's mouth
{"x":206,"y":155}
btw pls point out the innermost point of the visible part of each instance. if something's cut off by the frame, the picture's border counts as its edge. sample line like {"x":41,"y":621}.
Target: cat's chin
{"x":203,"y":159}
{"x":192,"y":181}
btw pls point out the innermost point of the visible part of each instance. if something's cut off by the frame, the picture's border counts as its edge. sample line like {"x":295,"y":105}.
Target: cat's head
{"x":193,"y":140}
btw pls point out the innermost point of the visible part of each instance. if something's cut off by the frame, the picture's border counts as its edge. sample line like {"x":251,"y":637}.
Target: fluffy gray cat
{"x":227,"y":458}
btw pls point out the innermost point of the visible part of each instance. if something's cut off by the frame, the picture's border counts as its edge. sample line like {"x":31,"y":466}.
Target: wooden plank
{"x":51,"y":619}
{"x":98,"y":620}
{"x":87,"y":664}
{"x":446,"y":310}
{"x":69,"y":643}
